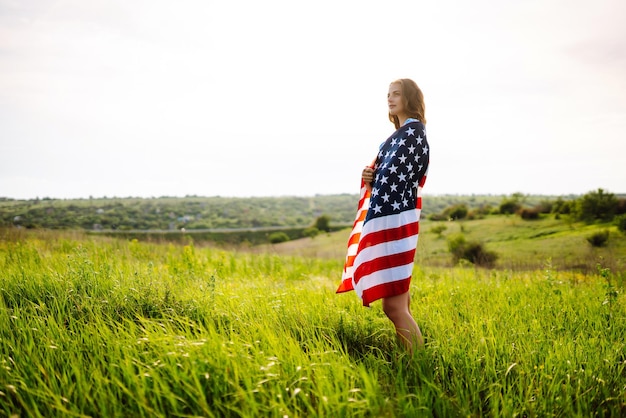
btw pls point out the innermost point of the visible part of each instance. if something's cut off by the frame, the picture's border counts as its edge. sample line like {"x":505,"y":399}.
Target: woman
{"x":382,"y":245}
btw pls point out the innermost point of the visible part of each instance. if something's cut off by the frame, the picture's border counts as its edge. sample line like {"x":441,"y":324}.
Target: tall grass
{"x":113,"y":328}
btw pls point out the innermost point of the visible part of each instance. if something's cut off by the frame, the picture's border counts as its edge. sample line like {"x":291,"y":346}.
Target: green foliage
{"x":480,"y":212}
{"x":438,"y":229}
{"x":529,"y":214}
{"x":509,"y":206}
{"x":100,"y":327}
{"x":545,"y":206}
{"x":310,"y":232}
{"x":458,"y":211}
{"x":620,"y":221}
{"x":597,"y":205}
{"x":198,"y":213}
{"x":167,"y":214}
{"x":278,"y":237}
{"x":563,"y":207}
{"x":472,"y":251}
{"x":598,"y":239}
{"x":322,"y":223}
{"x":438,"y":217}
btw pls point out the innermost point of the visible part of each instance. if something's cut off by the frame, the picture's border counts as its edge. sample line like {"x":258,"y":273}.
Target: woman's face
{"x":394,"y":101}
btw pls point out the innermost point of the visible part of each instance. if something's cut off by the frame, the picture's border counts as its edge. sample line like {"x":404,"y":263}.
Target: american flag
{"x":382,"y":244}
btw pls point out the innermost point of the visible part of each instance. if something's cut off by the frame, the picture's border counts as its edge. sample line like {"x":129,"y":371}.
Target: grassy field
{"x":101,"y":327}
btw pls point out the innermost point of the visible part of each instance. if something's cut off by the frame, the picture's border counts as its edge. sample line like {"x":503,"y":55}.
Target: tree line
{"x":197,"y":213}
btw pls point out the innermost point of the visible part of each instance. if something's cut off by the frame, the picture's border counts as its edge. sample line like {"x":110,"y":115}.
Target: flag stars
{"x":401,"y":160}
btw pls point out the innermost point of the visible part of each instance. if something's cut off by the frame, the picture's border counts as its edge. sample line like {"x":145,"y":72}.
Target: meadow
{"x":94,"y":326}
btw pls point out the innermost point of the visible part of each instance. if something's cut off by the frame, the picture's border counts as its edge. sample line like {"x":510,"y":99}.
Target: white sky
{"x":278,"y":97}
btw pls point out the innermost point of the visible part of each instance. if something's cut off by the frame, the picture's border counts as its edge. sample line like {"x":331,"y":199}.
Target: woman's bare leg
{"x":397,"y":309}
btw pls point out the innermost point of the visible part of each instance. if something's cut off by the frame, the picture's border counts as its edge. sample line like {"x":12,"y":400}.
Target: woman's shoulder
{"x":413,"y":127}
{"x":413,"y":122}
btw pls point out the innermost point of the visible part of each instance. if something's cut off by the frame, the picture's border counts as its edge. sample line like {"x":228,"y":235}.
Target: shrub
{"x":484,"y":210}
{"x":620,"y":221}
{"x":456,"y":211}
{"x":562,"y":207}
{"x":311,"y":232}
{"x":621,"y":207}
{"x":438,"y":229}
{"x":545,"y":206}
{"x":598,"y":239}
{"x":509,"y":207}
{"x":323,"y":223}
{"x":529,"y":214}
{"x":472,"y":251}
{"x":438,"y":217}
{"x":278,"y":237}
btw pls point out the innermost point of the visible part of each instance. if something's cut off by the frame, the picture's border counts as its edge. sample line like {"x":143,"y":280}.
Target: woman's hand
{"x":368,"y":175}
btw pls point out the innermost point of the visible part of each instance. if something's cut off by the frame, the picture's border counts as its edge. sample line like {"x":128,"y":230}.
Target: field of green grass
{"x":93,"y":326}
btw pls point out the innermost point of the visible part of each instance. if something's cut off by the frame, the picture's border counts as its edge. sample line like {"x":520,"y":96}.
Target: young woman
{"x":382,"y":245}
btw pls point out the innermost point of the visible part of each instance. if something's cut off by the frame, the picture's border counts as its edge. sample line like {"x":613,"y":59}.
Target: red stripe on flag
{"x":385,"y":290}
{"x":382,"y":263}
{"x":391,"y":234}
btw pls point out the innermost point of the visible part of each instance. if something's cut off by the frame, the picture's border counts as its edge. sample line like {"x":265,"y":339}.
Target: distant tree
{"x":511,"y":204}
{"x":322,"y":223}
{"x":458,"y":211}
{"x":562,"y":207}
{"x":620,"y":221}
{"x":621,"y":207}
{"x":598,"y":205}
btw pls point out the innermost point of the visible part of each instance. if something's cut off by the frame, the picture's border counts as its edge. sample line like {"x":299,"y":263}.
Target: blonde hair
{"x":413,"y":100}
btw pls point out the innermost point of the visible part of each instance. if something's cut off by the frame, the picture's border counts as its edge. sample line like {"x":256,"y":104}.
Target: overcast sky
{"x":278,"y":97}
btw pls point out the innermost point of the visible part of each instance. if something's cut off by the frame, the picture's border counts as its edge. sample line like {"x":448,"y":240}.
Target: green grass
{"x":99,"y":327}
